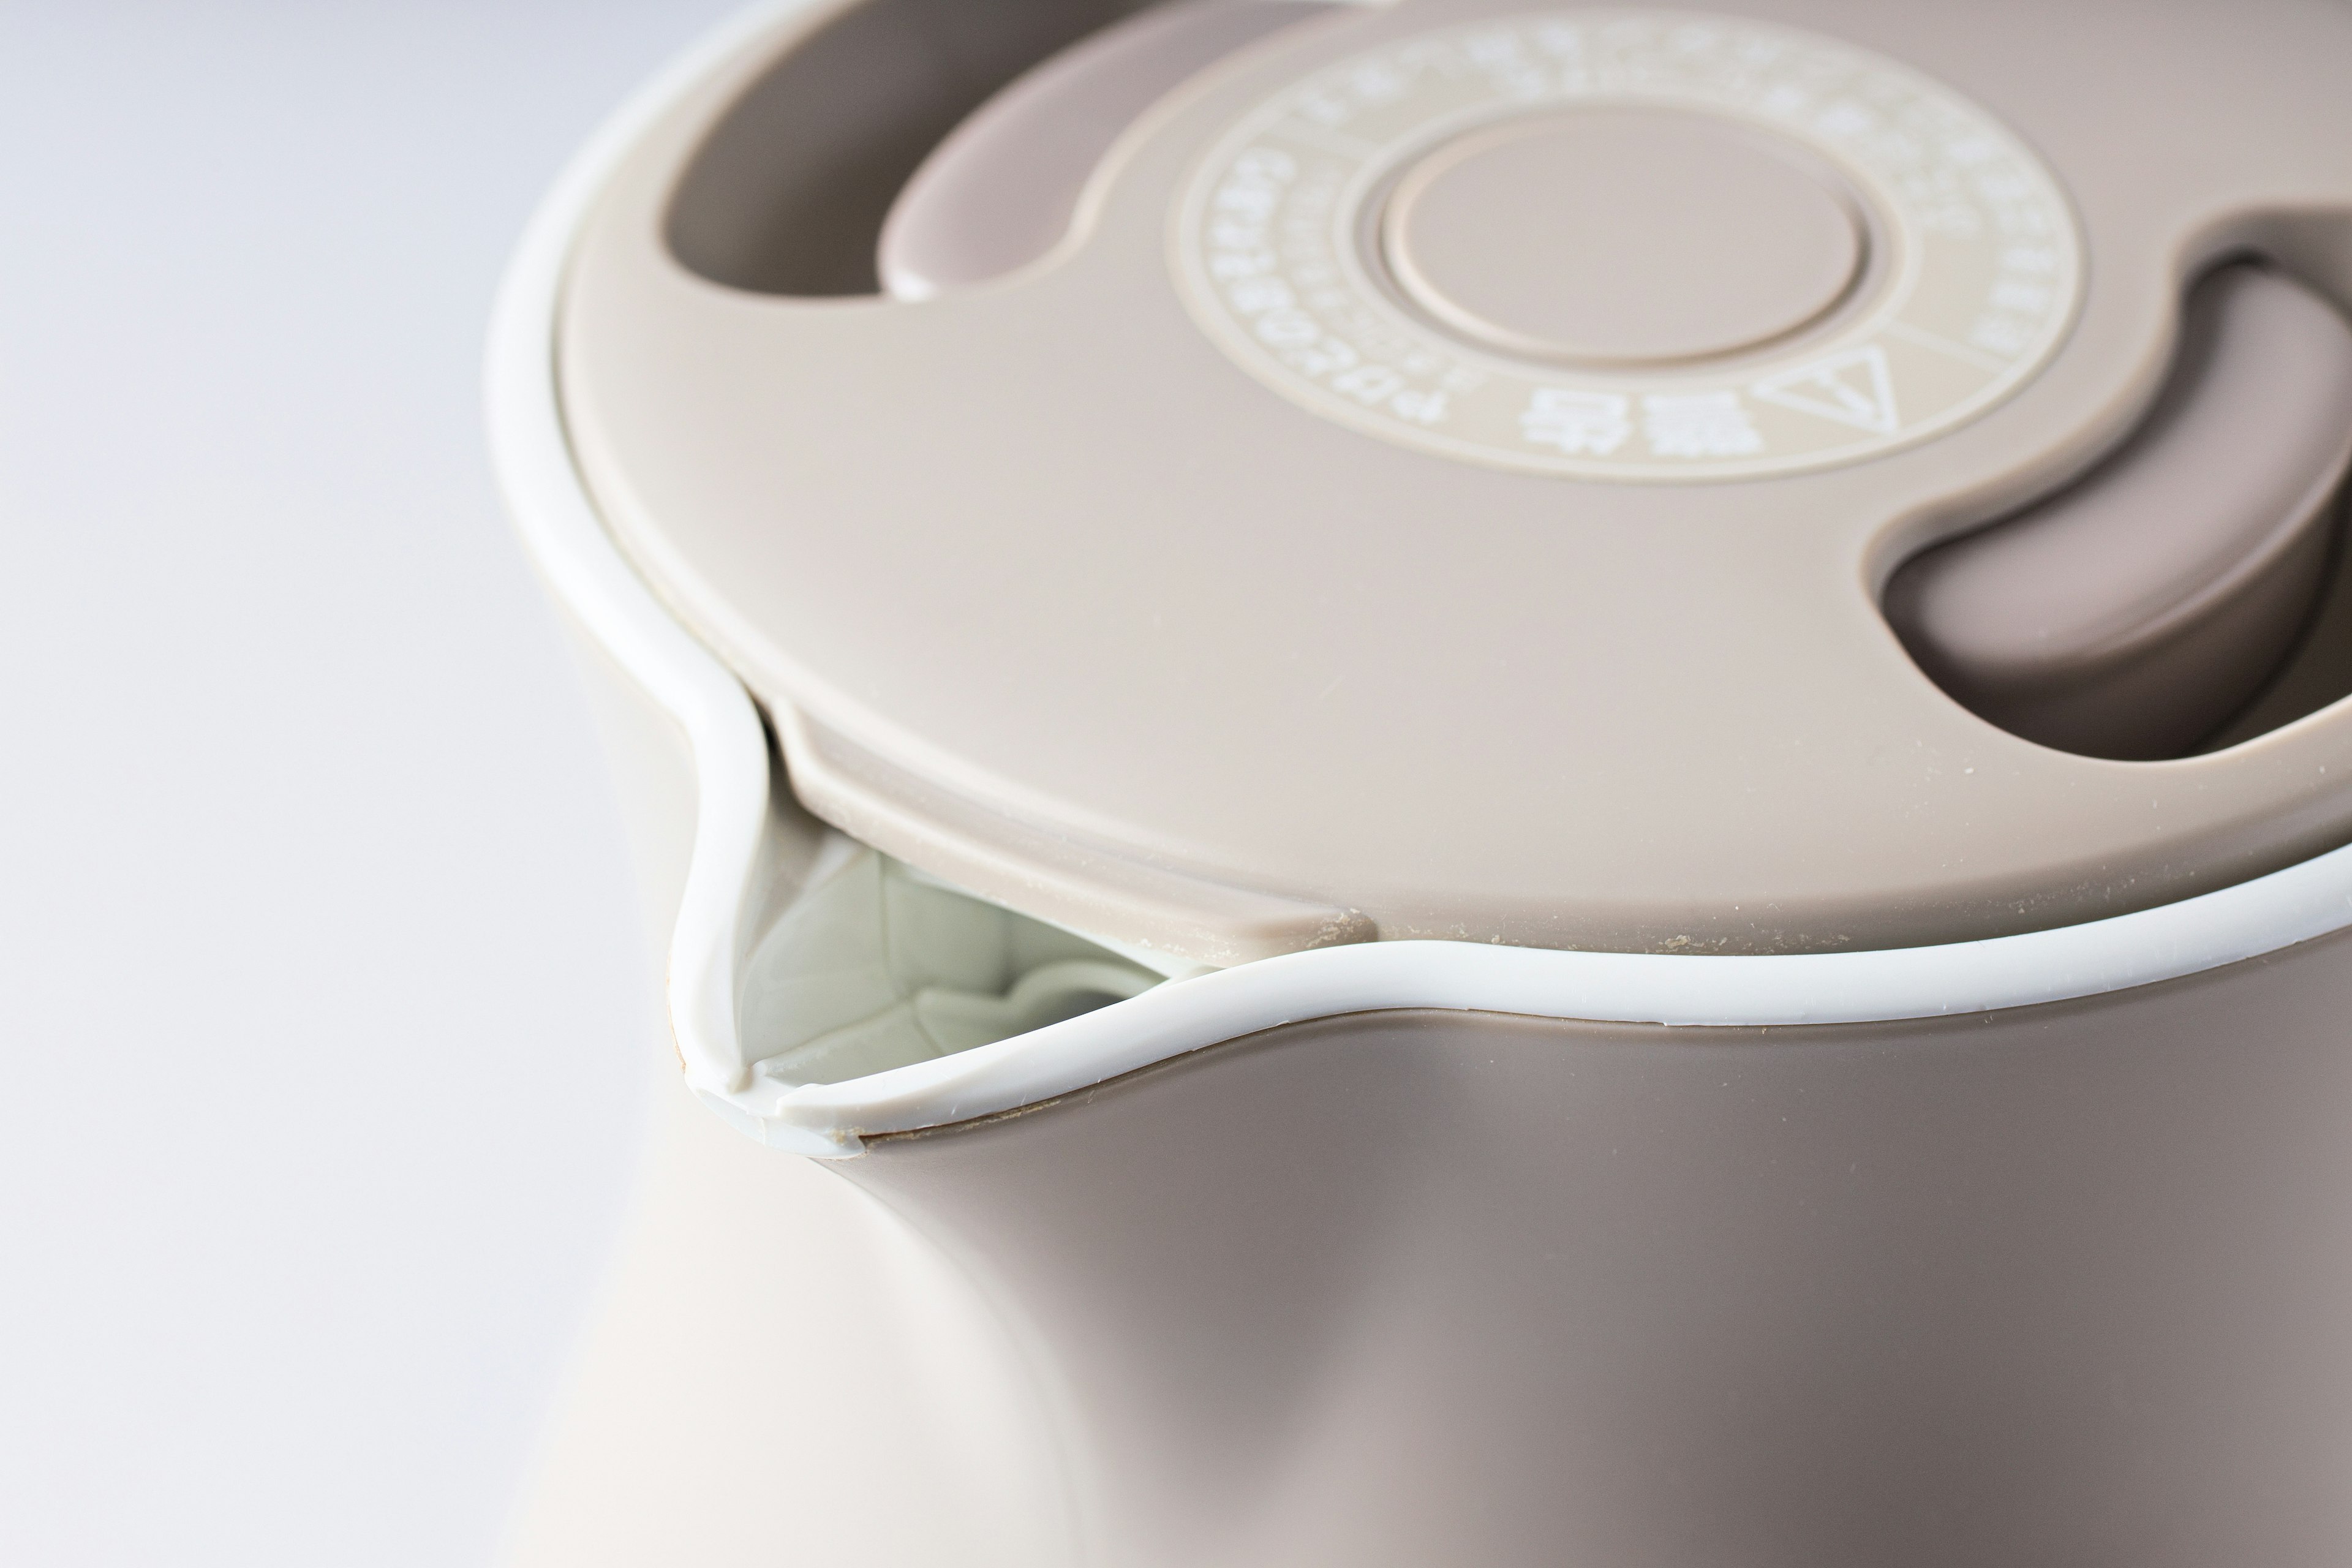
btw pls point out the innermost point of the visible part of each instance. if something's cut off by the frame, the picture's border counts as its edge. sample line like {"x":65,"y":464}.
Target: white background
{"x":322,"y":1001}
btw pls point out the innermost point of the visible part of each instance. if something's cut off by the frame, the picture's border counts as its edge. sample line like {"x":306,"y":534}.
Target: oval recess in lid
{"x":1001,"y":190}
{"x":2132,"y":614}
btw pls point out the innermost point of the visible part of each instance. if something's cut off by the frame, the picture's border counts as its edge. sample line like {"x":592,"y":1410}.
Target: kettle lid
{"x":1444,"y":476}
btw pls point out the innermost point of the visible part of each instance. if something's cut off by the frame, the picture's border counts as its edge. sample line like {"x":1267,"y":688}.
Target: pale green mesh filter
{"x":875,"y":966}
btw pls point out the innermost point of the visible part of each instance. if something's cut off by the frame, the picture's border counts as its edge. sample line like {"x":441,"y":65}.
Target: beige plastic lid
{"x":1444,"y":482}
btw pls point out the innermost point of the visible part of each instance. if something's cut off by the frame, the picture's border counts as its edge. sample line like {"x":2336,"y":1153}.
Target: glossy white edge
{"x":561,"y":529}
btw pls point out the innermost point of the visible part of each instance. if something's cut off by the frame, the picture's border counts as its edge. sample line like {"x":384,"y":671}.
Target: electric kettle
{"x":1465,"y":783}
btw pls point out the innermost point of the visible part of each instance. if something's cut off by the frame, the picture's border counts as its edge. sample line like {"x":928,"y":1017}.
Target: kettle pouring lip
{"x":532,"y":458}
{"x":2171,"y":942}
{"x":567,"y":539}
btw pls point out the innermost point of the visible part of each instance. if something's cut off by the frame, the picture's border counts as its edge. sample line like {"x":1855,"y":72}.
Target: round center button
{"x":1621,"y":235}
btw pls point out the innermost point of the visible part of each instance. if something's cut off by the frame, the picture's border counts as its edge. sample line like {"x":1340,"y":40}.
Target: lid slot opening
{"x":2137,"y":614}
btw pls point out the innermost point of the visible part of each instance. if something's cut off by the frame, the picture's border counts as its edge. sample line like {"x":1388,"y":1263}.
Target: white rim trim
{"x":532,"y":454}
{"x":561,"y":527}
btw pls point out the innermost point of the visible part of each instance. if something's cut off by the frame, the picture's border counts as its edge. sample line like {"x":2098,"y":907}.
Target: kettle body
{"x":1915,"y":1135}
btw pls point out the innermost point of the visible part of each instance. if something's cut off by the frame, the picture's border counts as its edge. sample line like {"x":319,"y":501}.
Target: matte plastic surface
{"x":2063,"y":1287}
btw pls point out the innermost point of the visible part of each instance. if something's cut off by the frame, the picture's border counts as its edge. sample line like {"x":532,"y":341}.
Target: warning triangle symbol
{"x":1853,"y":388}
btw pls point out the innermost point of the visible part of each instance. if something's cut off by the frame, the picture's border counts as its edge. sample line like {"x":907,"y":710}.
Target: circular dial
{"x":1621,"y":235}
{"x":1652,"y":246}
